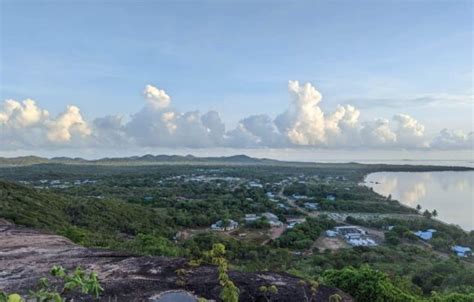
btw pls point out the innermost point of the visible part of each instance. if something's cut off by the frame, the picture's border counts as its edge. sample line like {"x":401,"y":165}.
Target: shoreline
{"x":365,"y":183}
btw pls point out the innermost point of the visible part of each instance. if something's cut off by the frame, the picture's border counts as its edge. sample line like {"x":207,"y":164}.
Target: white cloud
{"x":453,"y":140}
{"x":422,"y":100}
{"x":109,"y":131}
{"x":410,"y":132}
{"x":260,"y":130}
{"x":156,"y":97}
{"x":67,"y":124}
{"x":24,"y":114}
{"x":157,"y":124}
{"x":303,"y":123}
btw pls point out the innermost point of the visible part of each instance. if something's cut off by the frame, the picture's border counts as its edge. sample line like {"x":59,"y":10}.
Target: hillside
{"x":128,"y":278}
{"x":89,"y":222}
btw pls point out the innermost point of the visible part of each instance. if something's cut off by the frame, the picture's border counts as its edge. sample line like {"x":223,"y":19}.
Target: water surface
{"x":450,"y":193}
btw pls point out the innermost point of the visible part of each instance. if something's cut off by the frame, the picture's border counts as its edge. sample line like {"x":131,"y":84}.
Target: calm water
{"x":450,"y":193}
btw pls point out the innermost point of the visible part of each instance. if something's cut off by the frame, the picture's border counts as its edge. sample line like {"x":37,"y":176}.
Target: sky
{"x":86,"y":77}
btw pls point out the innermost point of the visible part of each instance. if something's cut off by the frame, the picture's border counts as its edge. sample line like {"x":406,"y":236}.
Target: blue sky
{"x":236,"y":57}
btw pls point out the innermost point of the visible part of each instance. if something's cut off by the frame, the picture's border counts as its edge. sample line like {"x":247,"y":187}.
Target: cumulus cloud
{"x":24,"y":124}
{"x":109,"y":131}
{"x":410,"y":133}
{"x":156,"y":97}
{"x":257,"y":130}
{"x":22,"y":114}
{"x":447,"y":139}
{"x":68,"y":123}
{"x":158,"y":125}
{"x":378,"y":133}
{"x":303,"y":124}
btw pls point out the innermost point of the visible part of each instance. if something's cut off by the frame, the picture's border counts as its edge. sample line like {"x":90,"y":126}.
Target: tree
{"x":313,"y":289}
{"x":60,"y":282}
{"x":434,"y":213}
{"x":268,"y":291}
{"x":366,"y":284}
{"x":427,"y":214}
{"x":418,"y":207}
{"x":335,"y":298}
{"x":392,"y":238}
{"x":229,"y":292}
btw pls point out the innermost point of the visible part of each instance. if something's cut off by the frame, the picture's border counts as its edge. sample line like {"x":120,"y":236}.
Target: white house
{"x":425,"y":235}
{"x":270,"y":195}
{"x":219,"y":225}
{"x":292,"y":222}
{"x":254,"y":184}
{"x":298,"y":196}
{"x":461,"y":251}
{"x":311,"y":206}
{"x":362,"y":242}
{"x":330,"y":197}
{"x":350,"y":236}
{"x":349,"y":229}
{"x":272,"y":219}
{"x":251,"y":217}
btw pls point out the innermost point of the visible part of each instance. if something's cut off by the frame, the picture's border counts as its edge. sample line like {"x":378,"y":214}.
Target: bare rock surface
{"x":26,"y":255}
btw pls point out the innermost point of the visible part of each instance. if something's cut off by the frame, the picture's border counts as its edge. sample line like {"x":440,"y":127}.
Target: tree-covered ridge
{"x":100,"y":223}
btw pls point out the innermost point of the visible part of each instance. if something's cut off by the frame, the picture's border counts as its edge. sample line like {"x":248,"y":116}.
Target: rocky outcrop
{"x":26,"y":255}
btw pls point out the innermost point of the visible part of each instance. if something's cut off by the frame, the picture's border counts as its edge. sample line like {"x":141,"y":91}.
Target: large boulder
{"x":26,"y":255}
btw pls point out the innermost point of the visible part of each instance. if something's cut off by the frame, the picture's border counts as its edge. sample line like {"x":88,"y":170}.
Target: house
{"x":298,"y":196}
{"x":425,"y":235}
{"x":362,"y":242}
{"x":283,"y":206}
{"x":219,"y":225}
{"x":462,"y":251}
{"x":251,"y":217}
{"x":148,"y":198}
{"x":351,"y":236}
{"x":292,"y":222}
{"x":272,"y":219}
{"x":254,"y":184}
{"x":311,"y":206}
{"x":330,"y":197}
{"x":270,"y":195}
{"x":349,"y":229}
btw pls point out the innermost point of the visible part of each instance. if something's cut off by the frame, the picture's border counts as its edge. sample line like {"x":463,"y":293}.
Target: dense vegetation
{"x":303,"y":235}
{"x":142,"y":209}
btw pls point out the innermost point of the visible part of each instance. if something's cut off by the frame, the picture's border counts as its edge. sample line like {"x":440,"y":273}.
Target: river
{"x":450,"y":193}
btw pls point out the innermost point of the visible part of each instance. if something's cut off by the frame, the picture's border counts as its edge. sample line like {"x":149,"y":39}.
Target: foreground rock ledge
{"x":26,"y":255}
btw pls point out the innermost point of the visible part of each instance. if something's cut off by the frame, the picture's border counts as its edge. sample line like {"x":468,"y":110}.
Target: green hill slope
{"x":91,"y":222}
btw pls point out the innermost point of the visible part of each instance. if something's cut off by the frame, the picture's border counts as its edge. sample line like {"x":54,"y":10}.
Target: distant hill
{"x":145,"y":159}
{"x":234,"y":160}
{"x":22,"y":160}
